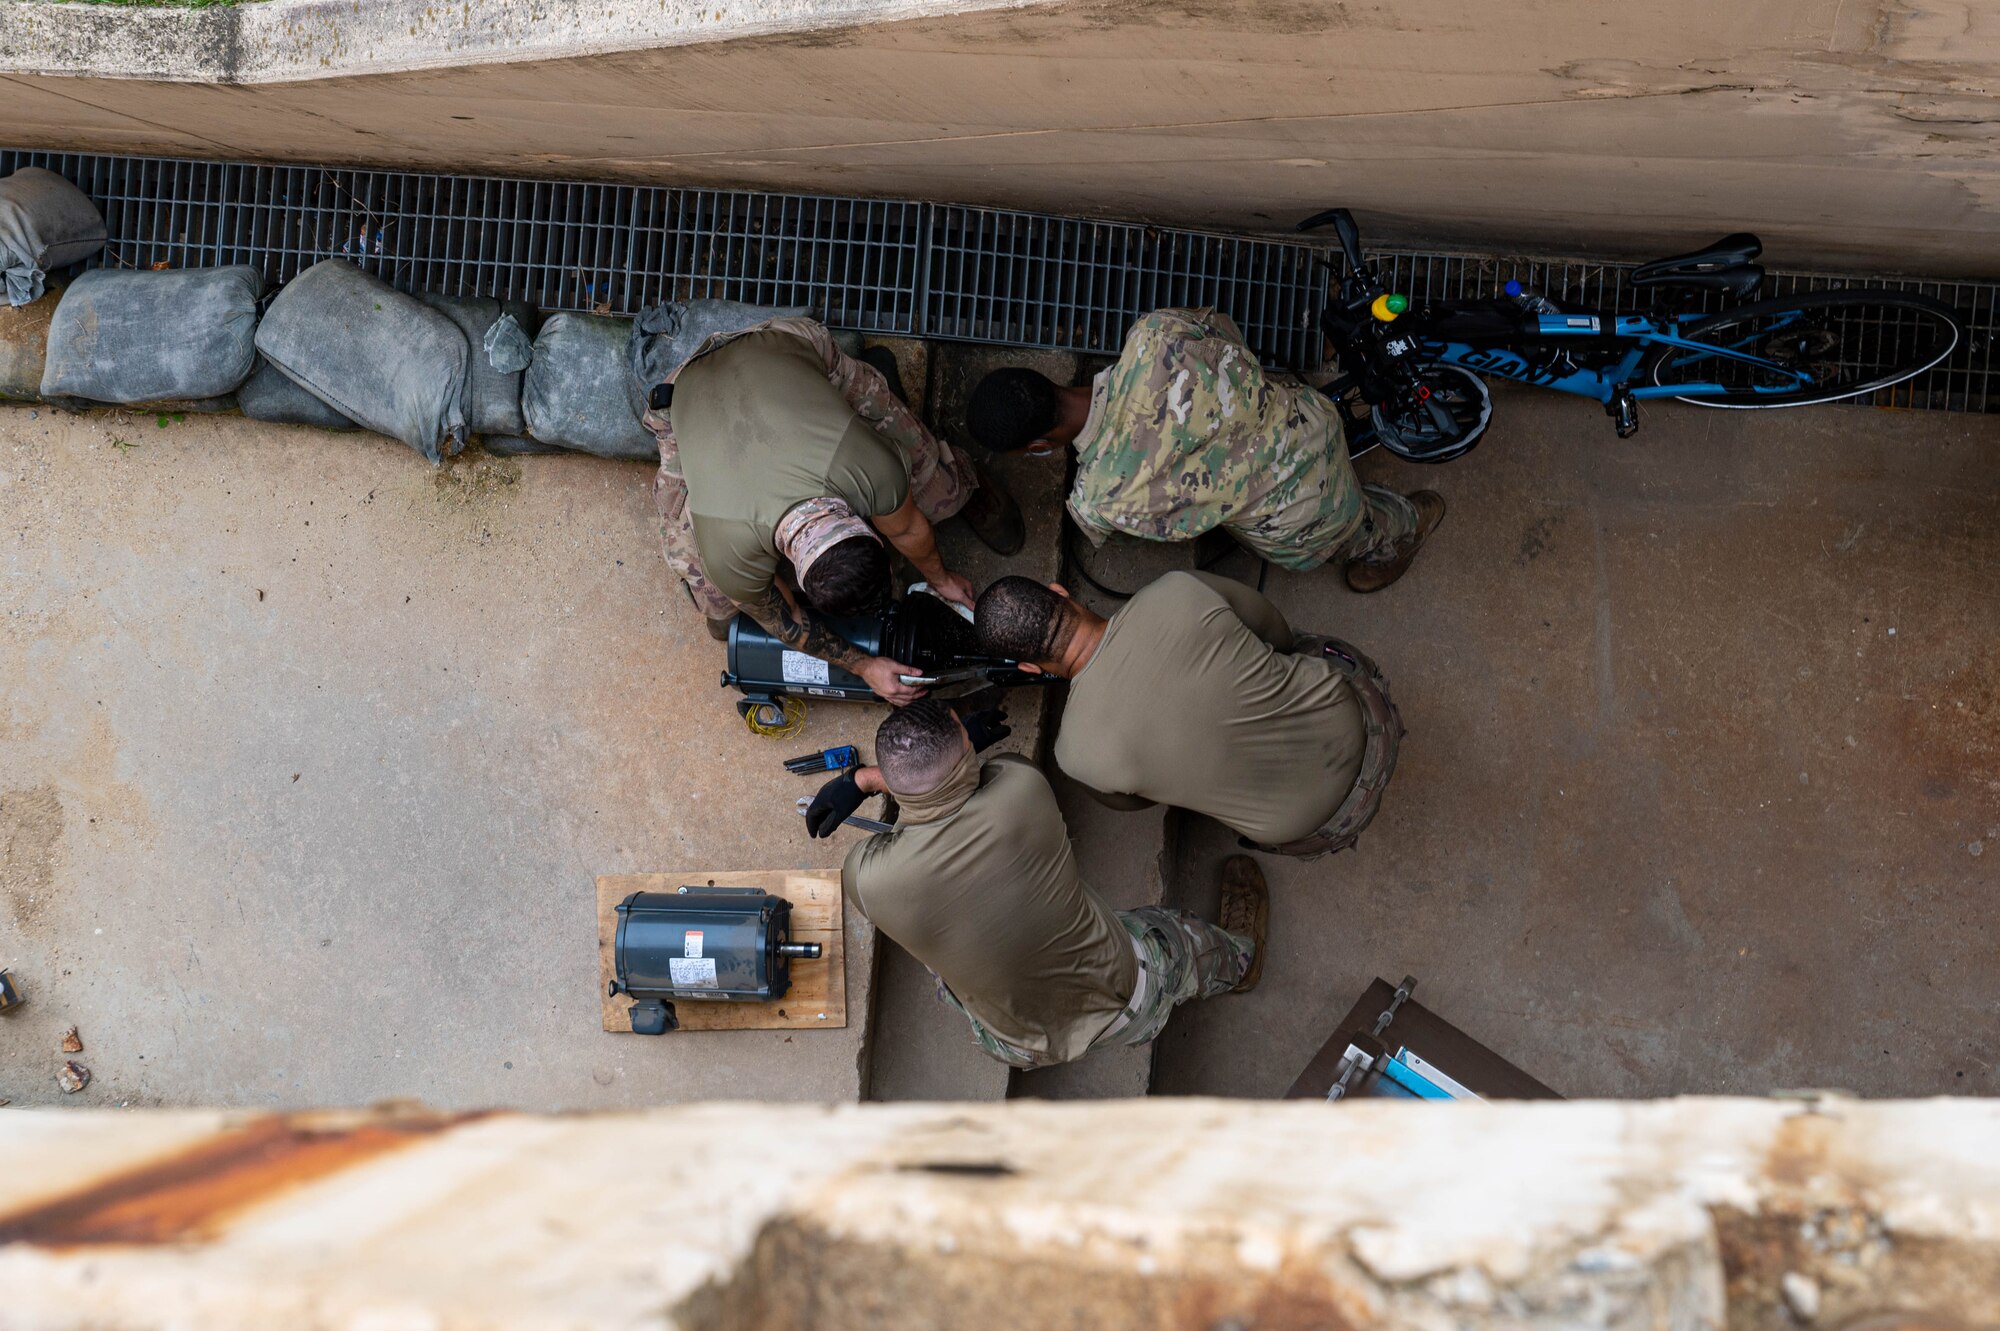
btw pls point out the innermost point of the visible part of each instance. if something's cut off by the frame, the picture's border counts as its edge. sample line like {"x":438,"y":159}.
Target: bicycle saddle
{"x":1723,"y":266}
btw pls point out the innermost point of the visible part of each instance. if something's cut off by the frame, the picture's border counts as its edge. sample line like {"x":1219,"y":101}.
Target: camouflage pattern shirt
{"x":1187,"y":433}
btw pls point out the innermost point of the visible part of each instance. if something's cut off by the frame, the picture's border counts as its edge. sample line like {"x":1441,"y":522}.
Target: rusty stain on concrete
{"x":190,"y":1196}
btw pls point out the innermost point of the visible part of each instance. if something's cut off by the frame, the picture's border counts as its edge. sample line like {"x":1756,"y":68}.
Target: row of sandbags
{"x":339,"y":348}
{"x":336,"y":348}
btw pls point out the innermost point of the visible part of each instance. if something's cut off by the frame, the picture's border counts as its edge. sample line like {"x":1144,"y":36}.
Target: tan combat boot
{"x":1363,"y":577}
{"x":994,"y":516}
{"x":1246,"y":912}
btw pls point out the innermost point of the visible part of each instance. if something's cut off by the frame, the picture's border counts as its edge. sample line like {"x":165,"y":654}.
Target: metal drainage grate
{"x":1033,"y":280}
{"x":558,"y":245}
{"x":869,"y":265}
{"x":881,"y":266}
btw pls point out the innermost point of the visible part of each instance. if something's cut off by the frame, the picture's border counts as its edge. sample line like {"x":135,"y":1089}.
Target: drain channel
{"x":881,"y":266}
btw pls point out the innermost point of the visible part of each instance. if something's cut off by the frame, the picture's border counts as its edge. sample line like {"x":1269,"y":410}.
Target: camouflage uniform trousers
{"x":1389,"y":521}
{"x":1187,"y":433}
{"x":942,"y":478}
{"x":1377,"y":520}
{"x":1181,"y":957}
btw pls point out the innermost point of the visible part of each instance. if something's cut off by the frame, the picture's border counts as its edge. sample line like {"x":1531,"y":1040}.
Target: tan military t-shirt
{"x":1192,"y":701}
{"x":989,"y":898}
{"x":761,"y":428}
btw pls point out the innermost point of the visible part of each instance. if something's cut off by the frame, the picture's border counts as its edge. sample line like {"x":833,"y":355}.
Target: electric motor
{"x":702,"y":944}
{"x":922,"y":631}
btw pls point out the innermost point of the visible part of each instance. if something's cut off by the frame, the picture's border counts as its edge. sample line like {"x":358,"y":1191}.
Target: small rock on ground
{"x":1801,"y":1295}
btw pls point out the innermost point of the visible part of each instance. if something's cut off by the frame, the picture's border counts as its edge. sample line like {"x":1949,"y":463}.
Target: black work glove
{"x":835,"y":801}
{"x":987,"y":728}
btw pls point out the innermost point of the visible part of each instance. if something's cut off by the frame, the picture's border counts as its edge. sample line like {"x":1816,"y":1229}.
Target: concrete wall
{"x":1687,"y":1215}
{"x":1846,"y":131}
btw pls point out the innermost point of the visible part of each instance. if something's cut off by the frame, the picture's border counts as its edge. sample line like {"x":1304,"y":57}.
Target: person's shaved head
{"x":1023,"y":620}
{"x":917,"y":746}
{"x":1011,"y":408}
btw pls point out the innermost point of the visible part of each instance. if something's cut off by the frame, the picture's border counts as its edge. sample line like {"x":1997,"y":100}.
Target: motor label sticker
{"x":692,"y":972}
{"x":798,"y":668}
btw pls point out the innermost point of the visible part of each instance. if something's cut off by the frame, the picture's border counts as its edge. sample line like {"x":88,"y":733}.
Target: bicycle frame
{"x":1608,"y":382}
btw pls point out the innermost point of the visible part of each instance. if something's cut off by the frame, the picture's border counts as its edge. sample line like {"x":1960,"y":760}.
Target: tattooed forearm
{"x":802,"y":631}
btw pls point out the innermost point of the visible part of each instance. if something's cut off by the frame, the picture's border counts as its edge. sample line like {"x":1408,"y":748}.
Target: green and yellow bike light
{"x":1387,"y":307}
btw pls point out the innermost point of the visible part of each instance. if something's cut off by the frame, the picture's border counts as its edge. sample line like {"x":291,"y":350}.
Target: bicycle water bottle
{"x":1531,"y":301}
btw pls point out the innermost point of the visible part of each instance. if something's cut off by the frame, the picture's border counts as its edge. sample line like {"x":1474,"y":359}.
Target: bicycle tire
{"x":1930,"y":326}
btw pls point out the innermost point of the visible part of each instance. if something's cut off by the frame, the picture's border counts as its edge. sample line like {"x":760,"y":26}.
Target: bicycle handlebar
{"x":1343,"y":227}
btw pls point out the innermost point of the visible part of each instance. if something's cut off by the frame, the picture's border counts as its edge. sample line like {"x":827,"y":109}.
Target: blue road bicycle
{"x":1410,"y":378}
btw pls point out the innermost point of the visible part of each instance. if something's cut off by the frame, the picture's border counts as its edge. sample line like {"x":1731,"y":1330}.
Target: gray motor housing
{"x":921,"y":631}
{"x":766,"y":670}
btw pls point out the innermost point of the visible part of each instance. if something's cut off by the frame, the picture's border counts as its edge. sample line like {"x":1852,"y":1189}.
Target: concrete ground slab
{"x":1702,"y":786}
{"x":309,"y":756}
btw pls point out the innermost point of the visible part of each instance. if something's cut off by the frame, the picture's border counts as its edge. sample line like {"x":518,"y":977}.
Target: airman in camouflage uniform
{"x":978,"y":881}
{"x":942,"y":479}
{"x":1187,"y":432}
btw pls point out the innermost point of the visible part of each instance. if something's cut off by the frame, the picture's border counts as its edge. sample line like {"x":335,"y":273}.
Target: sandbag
{"x":516,"y":445}
{"x":383,"y":359}
{"x":665,"y":337}
{"x":494,"y":331}
{"x":126,"y":337}
{"x":267,"y":395}
{"x":45,"y":223}
{"x":579,"y":392}
{"x":24,"y":344}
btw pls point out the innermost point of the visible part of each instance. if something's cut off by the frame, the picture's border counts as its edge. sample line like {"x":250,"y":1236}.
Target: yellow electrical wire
{"x":789,"y":718}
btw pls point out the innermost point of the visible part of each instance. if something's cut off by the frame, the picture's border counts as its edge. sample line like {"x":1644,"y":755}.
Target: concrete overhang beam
{"x":1680,"y":1214}
{"x":283,"y":41}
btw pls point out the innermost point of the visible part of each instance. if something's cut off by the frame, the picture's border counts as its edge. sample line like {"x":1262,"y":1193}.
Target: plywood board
{"x":817,"y":999}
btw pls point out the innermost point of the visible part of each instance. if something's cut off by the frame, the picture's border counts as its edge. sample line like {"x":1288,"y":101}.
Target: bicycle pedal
{"x":1623,"y":409}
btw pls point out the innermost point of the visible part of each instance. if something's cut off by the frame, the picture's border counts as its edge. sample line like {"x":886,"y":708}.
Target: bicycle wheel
{"x":1843,"y":343}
